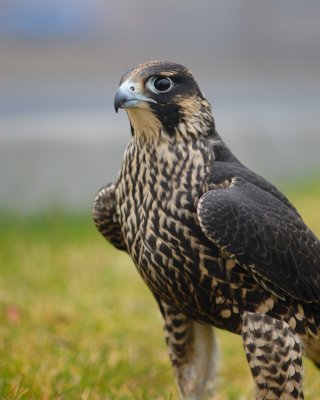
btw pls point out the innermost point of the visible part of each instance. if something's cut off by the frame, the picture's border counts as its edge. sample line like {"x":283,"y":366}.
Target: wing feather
{"x":265,"y":236}
{"x":105,"y":216}
{"x":226,"y":170}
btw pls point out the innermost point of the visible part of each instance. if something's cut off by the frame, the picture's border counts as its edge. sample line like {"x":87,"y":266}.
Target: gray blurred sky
{"x":60,"y":63}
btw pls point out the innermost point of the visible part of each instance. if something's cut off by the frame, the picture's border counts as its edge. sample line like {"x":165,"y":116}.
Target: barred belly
{"x":158,"y":195}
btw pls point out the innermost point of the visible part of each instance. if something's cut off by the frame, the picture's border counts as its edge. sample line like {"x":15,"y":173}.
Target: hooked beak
{"x":129,"y":95}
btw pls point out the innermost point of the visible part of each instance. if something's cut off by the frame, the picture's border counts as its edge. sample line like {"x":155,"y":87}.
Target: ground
{"x":77,"y":322}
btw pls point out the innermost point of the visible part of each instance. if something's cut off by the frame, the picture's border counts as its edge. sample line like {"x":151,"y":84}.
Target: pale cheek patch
{"x":189,"y":105}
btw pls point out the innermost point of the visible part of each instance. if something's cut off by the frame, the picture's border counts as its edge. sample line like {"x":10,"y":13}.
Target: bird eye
{"x":160,"y":84}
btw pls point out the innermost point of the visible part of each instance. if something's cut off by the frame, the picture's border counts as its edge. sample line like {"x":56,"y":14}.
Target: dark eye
{"x":160,"y":84}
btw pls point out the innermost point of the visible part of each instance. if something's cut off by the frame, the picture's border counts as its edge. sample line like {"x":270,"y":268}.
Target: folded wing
{"x":265,"y":236}
{"x":105,"y":216}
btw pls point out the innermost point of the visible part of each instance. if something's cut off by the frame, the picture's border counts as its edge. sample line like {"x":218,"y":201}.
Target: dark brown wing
{"x":265,"y":236}
{"x":105,"y":216}
{"x":226,"y":170}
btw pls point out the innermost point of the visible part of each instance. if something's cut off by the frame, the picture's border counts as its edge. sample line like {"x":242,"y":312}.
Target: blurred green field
{"x":77,"y":322}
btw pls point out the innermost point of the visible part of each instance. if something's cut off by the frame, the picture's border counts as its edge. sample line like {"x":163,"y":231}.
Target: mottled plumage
{"x":216,"y":243}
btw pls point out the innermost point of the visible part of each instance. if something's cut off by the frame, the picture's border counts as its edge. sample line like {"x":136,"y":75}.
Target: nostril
{"x":132,"y":88}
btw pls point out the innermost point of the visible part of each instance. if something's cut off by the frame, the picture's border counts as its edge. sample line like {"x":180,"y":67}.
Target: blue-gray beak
{"x":128,"y":95}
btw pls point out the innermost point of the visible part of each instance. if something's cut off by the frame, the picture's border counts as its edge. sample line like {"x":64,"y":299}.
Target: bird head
{"x":163,"y":98}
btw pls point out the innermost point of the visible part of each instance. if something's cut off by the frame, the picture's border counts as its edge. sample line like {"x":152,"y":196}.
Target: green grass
{"x":77,"y":322}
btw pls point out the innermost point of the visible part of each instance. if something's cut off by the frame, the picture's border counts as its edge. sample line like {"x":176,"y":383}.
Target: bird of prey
{"x":217,"y":244}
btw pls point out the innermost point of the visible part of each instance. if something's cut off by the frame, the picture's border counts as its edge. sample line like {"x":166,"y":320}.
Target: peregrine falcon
{"x":217,"y":244}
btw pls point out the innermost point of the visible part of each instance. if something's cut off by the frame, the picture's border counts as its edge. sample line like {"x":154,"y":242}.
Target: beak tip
{"x":119,"y":99}
{"x":125,"y":98}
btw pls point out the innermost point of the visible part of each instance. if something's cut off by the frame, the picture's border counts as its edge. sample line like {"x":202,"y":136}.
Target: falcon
{"x":217,"y":244}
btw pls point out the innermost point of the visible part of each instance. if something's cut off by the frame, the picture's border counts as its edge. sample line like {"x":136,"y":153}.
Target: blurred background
{"x":76,"y":320}
{"x":258,"y":63}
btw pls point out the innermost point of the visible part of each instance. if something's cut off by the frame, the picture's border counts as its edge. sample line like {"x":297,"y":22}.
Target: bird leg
{"x":273,"y":352}
{"x":192,"y":350}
